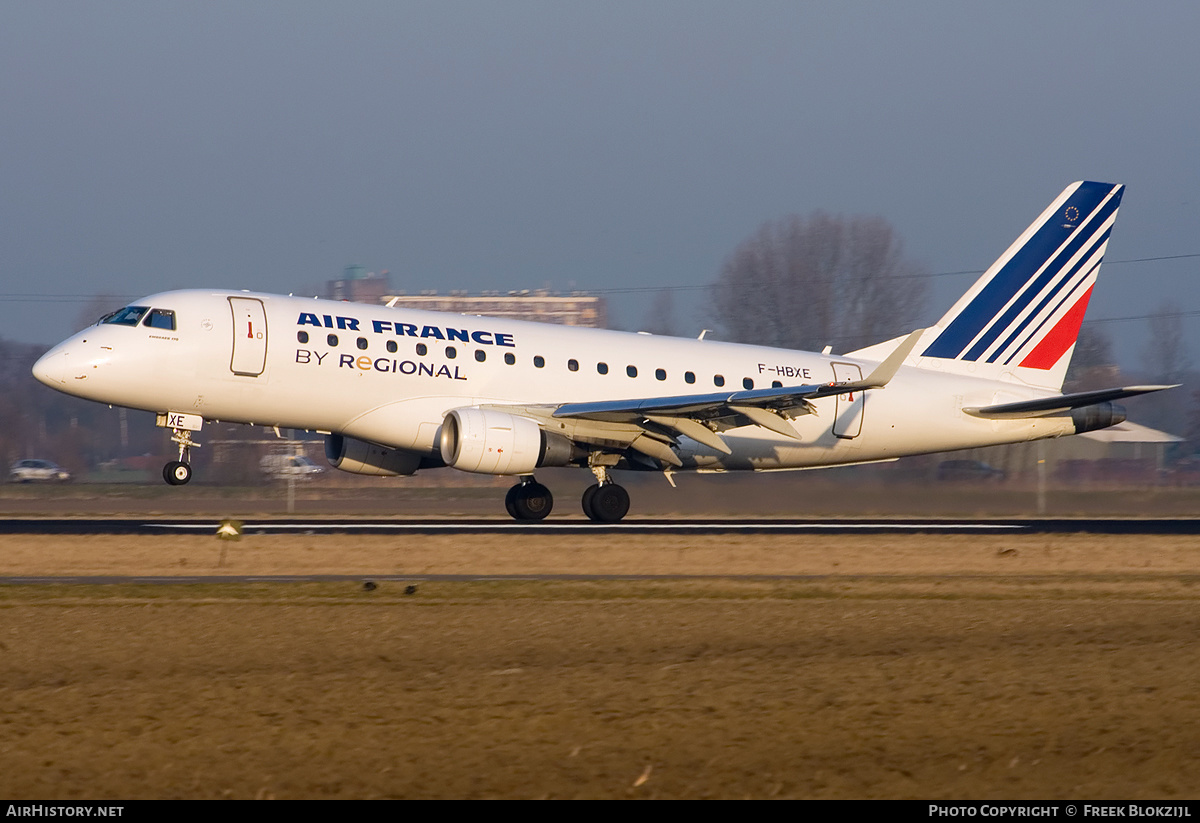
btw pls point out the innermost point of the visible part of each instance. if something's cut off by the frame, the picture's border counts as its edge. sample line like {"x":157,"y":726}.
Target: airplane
{"x":396,"y":390}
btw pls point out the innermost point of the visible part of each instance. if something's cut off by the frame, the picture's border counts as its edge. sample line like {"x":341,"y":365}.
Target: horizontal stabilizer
{"x":1059,"y":403}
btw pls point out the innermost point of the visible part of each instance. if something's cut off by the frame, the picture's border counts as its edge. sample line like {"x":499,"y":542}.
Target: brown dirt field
{"x":911,"y":666}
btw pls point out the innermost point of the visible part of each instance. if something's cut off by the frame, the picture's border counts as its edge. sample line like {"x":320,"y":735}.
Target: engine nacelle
{"x":1098,"y":416}
{"x":494,"y":442}
{"x":358,"y":457}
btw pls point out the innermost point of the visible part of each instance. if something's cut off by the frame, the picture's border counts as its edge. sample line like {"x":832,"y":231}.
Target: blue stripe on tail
{"x":1051,"y":246}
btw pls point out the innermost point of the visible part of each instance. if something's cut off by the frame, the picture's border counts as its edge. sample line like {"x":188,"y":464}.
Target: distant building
{"x":359,"y":286}
{"x":541,"y":306}
{"x":1124,"y":453}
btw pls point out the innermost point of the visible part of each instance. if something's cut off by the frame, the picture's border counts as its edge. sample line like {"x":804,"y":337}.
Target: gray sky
{"x":504,"y":145}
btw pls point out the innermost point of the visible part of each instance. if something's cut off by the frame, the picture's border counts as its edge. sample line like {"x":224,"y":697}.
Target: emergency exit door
{"x":249,"y":336}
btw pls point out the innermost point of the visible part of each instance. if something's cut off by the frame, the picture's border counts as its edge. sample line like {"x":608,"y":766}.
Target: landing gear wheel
{"x":510,"y":501}
{"x":606,"y":504}
{"x":588,"y":494}
{"x":177,"y":473}
{"x":529,"y":501}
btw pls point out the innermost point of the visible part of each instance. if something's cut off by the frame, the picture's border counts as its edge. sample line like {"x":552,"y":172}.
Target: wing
{"x":652,"y":425}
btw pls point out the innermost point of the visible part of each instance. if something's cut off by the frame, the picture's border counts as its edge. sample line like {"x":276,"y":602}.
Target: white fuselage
{"x":389,"y":375}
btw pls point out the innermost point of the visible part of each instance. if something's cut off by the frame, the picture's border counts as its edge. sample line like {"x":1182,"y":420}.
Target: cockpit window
{"x":128,"y":316}
{"x":160,"y":319}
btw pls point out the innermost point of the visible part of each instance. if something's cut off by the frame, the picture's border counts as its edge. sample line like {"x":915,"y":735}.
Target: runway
{"x":475,"y":526}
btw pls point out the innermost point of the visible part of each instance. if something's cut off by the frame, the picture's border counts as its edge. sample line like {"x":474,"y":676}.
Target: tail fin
{"x":1021,"y":318}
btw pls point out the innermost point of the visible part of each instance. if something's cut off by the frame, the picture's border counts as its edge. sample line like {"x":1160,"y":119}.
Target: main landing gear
{"x":528,"y":500}
{"x":178,"y":472}
{"x":605,"y":502}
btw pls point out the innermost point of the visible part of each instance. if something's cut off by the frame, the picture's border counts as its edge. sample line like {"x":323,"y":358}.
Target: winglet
{"x":885,"y":371}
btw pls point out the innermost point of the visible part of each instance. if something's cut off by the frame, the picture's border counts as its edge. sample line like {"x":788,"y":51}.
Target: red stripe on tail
{"x":1060,"y":338}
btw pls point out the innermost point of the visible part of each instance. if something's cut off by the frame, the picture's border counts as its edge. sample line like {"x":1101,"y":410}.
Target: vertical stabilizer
{"x":1020,"y":320}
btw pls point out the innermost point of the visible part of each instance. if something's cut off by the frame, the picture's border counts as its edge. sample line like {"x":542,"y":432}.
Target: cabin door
{"x":249,"y":336}
{"x":847,"y":420}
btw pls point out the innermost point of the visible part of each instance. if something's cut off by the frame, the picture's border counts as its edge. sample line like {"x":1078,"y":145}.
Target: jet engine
{"x":494,"y":442}
{"x":1098,"y":416}
{"x":358,"y":457}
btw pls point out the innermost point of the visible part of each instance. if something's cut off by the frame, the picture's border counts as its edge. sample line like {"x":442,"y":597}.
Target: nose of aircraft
{"x":50,"y":367}
{"x":79,"y":366}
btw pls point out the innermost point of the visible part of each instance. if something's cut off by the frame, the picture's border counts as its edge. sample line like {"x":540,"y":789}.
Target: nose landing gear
{"x":179,"y":472}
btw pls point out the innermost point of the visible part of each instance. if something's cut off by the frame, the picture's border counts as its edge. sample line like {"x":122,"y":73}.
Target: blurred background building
{"x":538,"y":305}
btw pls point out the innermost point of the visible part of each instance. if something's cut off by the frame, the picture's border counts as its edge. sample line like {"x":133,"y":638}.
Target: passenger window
{"x":422,"y":350}
{"x":451,"y":352}
{"x":480,"y":355}
{"x":631,"y":371}
{"x":160,"y":319}
{"x":302,"y":336}
{"x":510,"y":358}
{"x":689,"y":377}
{"x":775,"y":384}
{"x":718,"y":380}
{"x":331,"y":339}
{"x":747,"y":383}
{"x":573,"y":365}
{"x":391,"y":346}
{"x":128,"y":316}
{"x":539,"y":361}
{"x":362,"y":343}
{"x":602,"y":368}
{"x":660,"y":374}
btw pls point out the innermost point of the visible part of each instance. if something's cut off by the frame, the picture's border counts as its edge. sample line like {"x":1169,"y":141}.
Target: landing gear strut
{"x":528,"y":500}
{"x":178,"y":472}
{"x":605,"y":502}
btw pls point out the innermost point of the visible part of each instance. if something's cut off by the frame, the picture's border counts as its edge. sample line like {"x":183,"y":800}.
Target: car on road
{"x":37,"y":471}
{"x":283,"y":466}
{"x":969,"y":470}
